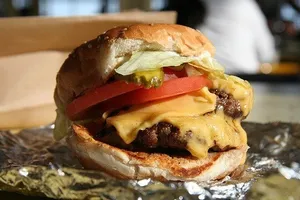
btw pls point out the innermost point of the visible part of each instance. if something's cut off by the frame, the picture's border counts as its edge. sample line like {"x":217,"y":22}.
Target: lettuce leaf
{"x":151,"y":60}
{"x":62,"y":125}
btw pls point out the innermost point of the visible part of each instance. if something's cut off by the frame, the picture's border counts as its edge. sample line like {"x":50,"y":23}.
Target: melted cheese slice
{"x":186,"y":112}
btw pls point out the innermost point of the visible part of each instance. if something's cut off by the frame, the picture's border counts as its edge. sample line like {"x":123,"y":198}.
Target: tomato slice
{"x":169,"y":88}
{"x":98,"y":95}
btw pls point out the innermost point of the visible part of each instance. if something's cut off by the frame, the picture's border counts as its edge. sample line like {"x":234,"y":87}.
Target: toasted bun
{"x":92,"y":63}
{"x":125,"y":164}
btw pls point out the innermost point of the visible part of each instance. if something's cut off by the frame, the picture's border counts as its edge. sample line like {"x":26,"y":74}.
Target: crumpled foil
{"x":31,"y":163}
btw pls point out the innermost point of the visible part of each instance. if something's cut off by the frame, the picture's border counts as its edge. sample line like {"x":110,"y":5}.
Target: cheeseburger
{"x":150,"y":101}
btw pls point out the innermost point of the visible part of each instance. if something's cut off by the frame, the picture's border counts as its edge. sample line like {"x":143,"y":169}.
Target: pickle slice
{"x":148,"y":79}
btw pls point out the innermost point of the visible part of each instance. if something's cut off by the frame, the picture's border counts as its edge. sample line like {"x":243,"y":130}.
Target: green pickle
{"x":148,"y":79}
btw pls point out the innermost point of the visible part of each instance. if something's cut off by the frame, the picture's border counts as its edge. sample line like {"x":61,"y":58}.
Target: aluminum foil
{"x":31,"y":163}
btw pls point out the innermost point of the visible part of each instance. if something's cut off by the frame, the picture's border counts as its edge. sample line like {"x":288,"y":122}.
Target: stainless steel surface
{"x":276,"y":102}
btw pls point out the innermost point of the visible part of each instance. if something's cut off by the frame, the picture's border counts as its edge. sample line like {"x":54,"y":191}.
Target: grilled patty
{"x":161,"y":135}
{"x":230,"y":105}
{"x":164,"y":135}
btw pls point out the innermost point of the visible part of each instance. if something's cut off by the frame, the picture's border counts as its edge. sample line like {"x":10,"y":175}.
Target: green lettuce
{"x":151,"y":60}
{"x":62,"y":125}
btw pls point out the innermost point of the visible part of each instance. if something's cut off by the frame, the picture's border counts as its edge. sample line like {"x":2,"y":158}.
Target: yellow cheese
{"x":143,"y":116}
{"x":187,"y":113}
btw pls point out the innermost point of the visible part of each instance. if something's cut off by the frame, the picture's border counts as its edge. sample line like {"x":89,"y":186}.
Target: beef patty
{"x":161,"y":136}
{"x":230,"y":105}
{"x":164,"y":135}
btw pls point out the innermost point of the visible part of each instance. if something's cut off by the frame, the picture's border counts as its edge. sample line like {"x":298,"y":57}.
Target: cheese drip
{"x":186,"y":112}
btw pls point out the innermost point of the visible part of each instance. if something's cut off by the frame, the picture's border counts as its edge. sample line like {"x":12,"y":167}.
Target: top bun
{"x":92,"y":63}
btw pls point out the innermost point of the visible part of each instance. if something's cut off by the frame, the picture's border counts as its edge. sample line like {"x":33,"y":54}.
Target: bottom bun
{"x":126,"y":164}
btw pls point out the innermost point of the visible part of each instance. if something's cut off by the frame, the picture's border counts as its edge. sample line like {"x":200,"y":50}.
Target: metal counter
{"x":275,"y":102}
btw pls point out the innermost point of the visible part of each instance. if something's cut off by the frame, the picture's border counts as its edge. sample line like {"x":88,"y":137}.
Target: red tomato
{"x":169,"y":88}
{"x":98,"y":95}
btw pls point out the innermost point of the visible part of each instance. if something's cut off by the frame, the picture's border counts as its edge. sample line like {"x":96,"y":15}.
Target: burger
{"x":150,"y":101}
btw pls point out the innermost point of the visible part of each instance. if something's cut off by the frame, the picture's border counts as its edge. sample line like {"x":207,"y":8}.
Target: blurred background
{"x":258,"y":40}
{"x":252,"y":37}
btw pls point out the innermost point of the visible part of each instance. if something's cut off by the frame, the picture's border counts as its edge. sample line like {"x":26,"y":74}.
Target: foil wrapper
{"x":32,"y":163}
